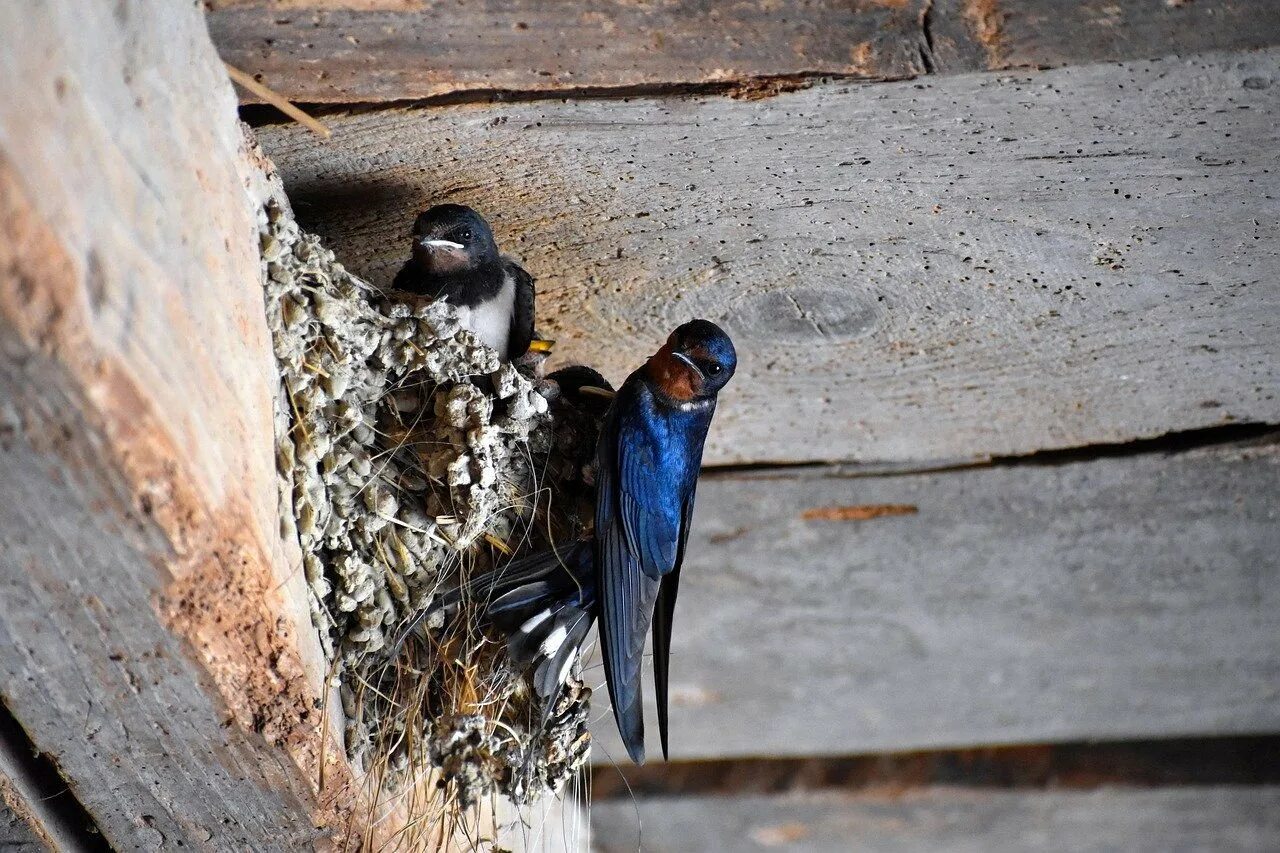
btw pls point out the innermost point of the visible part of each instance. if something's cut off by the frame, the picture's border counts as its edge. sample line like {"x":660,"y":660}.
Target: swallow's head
{"x":450,"y":239}
{"x":695,"y":362}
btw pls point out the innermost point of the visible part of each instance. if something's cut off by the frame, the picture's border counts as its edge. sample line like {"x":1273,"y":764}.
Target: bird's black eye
{"x":714,"y":369}
{"x":466,"y":235}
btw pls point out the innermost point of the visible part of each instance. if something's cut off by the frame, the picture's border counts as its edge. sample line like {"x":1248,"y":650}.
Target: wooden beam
{"x":329,"y":52}
{"x":1234,"y":820}
{"x":338,"y":52}
{"x":1046,"y":33}
{"x":37,"y":809}
{"x":1120,"y":597}
{"x":154,"y":639}
{"x":970,"y":267}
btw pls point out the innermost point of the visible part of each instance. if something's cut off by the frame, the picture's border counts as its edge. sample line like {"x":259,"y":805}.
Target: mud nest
{"x":409,"y":457}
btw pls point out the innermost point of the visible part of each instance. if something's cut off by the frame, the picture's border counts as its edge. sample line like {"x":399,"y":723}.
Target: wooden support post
{"x":154,"y":639}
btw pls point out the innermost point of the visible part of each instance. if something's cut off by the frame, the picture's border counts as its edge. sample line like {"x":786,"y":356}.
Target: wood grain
{"x":1126,"y":596}
{"x":328,"y":52}
{"x":21,"y":828}
{"x":154,"y":641}
{"x":1049,"y":33}
{"x":342,"y":52}
{"x":912,"y":272}
{"x":1224,"y":819}
{"x":17,"y":834}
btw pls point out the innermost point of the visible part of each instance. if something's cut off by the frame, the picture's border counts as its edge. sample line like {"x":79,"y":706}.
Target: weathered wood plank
{"x":970,"y":267}
{"x":339,"y":52}
{"x":1115,"y":598}
{"x":1050,"y":33}
{"x":88,"y":666}
{"x":1227,"y":820}
{"x":154,"y":638}
{"x":329,"y":52}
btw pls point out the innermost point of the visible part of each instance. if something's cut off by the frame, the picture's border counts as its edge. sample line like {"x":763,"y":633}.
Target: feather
{"x":520,"y":334}
{"x":662,"y":618}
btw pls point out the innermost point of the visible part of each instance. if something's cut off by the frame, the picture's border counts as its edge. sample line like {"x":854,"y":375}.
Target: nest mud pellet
{"x":409,"y":456}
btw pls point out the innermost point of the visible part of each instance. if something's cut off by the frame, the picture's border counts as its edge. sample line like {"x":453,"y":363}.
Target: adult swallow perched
{"x":647,"y":465}
{"x":454,"y":257}
{"x":627,"y":572}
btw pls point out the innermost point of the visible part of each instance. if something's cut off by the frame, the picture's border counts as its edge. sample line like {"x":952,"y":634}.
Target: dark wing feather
{"x":626,"y":598}
{"x":522,"y":318}
{"x":662,"y":619}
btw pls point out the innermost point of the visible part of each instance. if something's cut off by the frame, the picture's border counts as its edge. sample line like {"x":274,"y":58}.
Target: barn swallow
{"x":647,"y":465}
{"x":626,"y":573}
{"x":454,"y":257}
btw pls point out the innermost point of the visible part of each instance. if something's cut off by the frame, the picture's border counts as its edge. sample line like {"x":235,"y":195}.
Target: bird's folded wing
{"x":522,"y":316}
{"x":626,"y":607}
{"x":652,"y":528}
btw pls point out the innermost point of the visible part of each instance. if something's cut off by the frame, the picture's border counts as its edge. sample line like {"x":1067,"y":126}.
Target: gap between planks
{"x":1225,"y":437}
{"x":1250,"y":760}
{"x":48,"y":804}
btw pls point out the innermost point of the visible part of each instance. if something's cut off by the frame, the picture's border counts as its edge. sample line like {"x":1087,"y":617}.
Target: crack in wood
{"x":745,"y":88}
{"x":1255,"y":434}
{"x":926,"y":32}
{"x":1235,"y":760}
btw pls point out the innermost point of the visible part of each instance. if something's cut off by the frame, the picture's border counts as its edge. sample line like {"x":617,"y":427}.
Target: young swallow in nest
{"x":626,"y":573}
{"x":454,"y":257}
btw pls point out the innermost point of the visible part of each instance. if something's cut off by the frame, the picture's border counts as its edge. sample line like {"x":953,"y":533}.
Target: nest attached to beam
{"x":409,"y":456}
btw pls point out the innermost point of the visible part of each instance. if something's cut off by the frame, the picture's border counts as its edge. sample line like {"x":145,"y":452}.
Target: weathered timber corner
{"x":155,"y":645}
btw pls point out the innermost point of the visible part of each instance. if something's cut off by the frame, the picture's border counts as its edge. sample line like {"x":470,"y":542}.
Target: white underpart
{"x":491,"y":321}
{"x":551,"y":644}
{"x":534,"y":621}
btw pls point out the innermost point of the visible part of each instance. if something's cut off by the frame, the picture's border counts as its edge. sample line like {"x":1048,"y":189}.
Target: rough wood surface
{"x":1049,"y":32}
{"x":154,"y":642}
{"x":973,"y":266}
{"x":1114,"y":598}
{"x":1225,"y":820}
{"x":342,"y":52}
{"x":20,"y":826}
{"x":19,"y":835}
{"x":317,"y":52}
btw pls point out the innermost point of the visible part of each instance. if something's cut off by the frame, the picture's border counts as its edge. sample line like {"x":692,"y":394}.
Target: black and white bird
{"x":454,"y":257}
